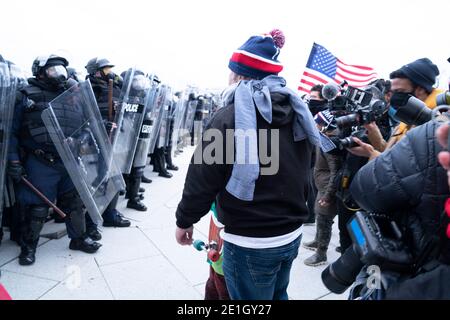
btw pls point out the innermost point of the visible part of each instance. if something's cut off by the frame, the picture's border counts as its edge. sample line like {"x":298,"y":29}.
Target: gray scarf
{"x":249,"y":95}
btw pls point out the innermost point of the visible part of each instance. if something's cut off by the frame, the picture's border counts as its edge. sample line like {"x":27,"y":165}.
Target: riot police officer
{"x":140,"y":86}
{"x":33,"y":154}
{"x":99,"y":74}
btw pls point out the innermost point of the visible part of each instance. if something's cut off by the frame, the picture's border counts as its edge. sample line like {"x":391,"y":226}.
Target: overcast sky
{"x":190,"y":42}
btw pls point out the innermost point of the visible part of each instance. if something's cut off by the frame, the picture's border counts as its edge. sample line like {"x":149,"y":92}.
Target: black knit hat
{"x":422,"y":73}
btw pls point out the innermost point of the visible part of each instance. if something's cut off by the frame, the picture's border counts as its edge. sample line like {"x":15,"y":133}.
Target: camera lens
{"x":347,"y":143}
{"x":341,"y":274}
{"x":347,"y":121}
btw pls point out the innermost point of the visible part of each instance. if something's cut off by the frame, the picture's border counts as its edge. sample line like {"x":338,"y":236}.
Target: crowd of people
{"x":38,"y":175}
{"x":269,"y":161}
{"x":368,"y":156}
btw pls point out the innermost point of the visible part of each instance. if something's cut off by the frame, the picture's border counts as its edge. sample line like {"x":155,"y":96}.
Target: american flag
{"x":323,"y":67}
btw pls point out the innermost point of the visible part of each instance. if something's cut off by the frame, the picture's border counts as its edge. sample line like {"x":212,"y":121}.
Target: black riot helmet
{"x":97,"y":64}
{"x":43,"y":62}
{"x":139,"y":82}
{"x":51,"y":69}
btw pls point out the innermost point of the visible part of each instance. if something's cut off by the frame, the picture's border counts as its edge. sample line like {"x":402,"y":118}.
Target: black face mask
{"x":316,"y":106}
{"x":56,"y":76}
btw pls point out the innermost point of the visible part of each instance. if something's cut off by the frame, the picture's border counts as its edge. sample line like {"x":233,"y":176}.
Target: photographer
{"x":325,"y":170}
{"x":408,"y":184}
{"x":361,"y":107}
{"x":416,"y":79}
{"x":316,"y":104}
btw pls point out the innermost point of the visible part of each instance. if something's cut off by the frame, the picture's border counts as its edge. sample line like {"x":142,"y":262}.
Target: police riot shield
{"x":8,"y":86}
{"x":75,"y":126}
{"x":160,"y":101}
{"x":164,"y":130}
{"x":179,"y":113}
{"x":129,"y":118}
{"x":190,"y":115}
{"x":143,"y":145}
{"x":170,"y":121}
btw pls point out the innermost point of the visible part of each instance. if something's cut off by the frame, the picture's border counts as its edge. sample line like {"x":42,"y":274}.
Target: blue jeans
{"x":258,"y":274}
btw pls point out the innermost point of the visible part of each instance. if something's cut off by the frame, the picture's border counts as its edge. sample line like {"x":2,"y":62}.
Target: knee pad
{"x":38,"y":212}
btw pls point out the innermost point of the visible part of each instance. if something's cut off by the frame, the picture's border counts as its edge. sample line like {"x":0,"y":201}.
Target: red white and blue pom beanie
{"x":258,"y":57}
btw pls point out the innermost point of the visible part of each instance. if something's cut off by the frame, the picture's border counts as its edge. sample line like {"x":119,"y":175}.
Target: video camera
{"x":358,"y":106}
{"x":414,"y":112}
{"x":377,"y":240}
{"x":353,"y":108}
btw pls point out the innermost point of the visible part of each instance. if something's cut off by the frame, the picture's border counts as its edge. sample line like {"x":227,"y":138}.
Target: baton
{"x":110,"y":99}
{"x":44,"y":198}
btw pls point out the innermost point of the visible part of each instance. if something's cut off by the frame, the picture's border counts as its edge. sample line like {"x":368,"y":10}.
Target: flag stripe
{"x":354,"y":80}
{"x":353,"y":73}
{"x":355,"y":66}
{"x":323,"y":67}
{"x":315,"y":77}
{"x":309,"y":83}
{"x":300,"y":88}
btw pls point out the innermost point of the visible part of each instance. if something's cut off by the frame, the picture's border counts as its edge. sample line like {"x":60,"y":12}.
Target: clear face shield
{"x":56,"y":74}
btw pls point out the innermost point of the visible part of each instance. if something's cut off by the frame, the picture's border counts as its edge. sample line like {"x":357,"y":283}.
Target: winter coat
{"x":408,"y":183}
{"x":279,"y":204}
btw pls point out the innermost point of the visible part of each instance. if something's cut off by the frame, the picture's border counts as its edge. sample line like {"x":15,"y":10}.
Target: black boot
{"x":38,"y":214}
{"x":144,"y":179}
{"x":94,"y":234}
{"x":84,"y":244}
{"x":165,"y":174}
{"x":172,"y":167}
{"x":31,"y":239}
{"x":136,"y":204}
{"x":117,"y":221}
{"x":134,"y":196}
{"x":168,"y":156}
{"x":27,"y":254}
{"x":141,"y":190}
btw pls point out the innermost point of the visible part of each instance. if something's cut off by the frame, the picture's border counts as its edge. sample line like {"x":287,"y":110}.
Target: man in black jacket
{"x":408,"y":183}
{"x":263,"y":216}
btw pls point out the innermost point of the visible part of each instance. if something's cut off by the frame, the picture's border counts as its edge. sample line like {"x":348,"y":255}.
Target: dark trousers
{"x":344,"y":216}
{"x":159,"y":161}
{"x":312,"y":195}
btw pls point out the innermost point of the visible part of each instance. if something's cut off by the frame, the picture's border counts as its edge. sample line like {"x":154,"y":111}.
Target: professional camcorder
{"x":358,"y":106}
{"x":414,"y":112}
{"x":377,"y":240}
{"x":353,"y":108}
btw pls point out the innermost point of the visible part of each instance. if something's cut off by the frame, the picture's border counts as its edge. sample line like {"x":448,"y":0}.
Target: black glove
{"x":16,"y":171}
{"x":109,"y":126}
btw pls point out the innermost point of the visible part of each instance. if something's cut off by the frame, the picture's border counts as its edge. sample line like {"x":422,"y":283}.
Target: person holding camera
{"x":407,"y":184}
{"x":316,"y":104}
{"x":351,"y":129}
{"x":416,"y":79}
{"x":325,"y":171}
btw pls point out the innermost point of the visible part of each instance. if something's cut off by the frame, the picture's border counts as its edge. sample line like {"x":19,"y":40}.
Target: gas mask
{"x":56,"y":75}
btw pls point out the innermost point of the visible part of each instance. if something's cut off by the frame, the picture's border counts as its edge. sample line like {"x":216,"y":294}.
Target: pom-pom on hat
{"x":258,"y":57}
